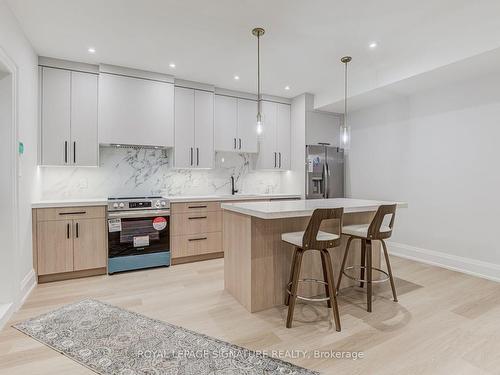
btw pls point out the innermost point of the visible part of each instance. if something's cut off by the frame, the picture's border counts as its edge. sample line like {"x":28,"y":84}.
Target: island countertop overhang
{"x":301,"y":208}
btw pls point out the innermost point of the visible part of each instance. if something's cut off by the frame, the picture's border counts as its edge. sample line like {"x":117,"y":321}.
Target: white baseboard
{"x":469,"y":266}
{"x":27,"y":285}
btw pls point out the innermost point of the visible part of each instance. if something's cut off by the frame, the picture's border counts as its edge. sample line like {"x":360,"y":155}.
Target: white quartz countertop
{"x":300,"y":208}
{"x":173,"y":199}
{"x":228,"y":197}
{"x":70,"y":203}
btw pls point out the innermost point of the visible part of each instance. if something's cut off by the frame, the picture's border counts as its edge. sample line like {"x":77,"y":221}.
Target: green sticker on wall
{"x":21,"y":148}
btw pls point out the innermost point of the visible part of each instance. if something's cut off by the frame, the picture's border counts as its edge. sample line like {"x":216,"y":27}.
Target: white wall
{"x":322,"y":127}
{"x":439,"y":151}
{"x":15,"y":45}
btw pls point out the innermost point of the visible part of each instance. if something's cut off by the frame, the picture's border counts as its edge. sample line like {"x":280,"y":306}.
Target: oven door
{"x":138,"y":232}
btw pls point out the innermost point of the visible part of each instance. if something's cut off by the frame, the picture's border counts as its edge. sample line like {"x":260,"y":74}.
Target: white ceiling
{"x":210,"y":41}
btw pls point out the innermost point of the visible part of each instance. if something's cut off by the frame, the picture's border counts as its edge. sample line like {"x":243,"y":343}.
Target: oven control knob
{"x":163,"y":203}
{"x":115,"y":205}
{"x":121,"y":205}
{"x":157,"y":204}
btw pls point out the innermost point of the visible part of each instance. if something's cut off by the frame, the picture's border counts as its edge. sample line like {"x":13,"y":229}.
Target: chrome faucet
{"x":233,"y":190}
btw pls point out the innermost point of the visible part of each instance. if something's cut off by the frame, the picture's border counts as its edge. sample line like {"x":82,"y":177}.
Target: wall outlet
{"x":83,"y":183}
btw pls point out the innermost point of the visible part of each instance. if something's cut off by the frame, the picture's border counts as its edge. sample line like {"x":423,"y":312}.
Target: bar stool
{"x":314,"y":239}
{"x":367,"y":233}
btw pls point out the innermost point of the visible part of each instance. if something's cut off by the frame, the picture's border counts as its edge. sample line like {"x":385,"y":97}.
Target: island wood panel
{"x":257,"y":261}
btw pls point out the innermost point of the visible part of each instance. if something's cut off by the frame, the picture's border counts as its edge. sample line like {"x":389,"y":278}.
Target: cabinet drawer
{"x":70,"y":213}
{"x":196,"y":222}
{"x":197,"y":207}
{"x":190,"y":245}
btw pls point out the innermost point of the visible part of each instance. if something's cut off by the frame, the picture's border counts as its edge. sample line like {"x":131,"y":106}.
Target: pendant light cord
{"x":258,"y":77}
{"x":345,"y":95}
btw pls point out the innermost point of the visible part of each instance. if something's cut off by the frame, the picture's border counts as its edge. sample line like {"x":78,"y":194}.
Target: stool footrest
{"x":310,"y":299}
{"x":364,"y":280}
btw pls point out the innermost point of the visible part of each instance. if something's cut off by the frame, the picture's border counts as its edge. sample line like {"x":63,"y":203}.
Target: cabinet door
{"x":204,"y":129}
{"x":84,"y":144}
{"x":247,"y":125}
{"x":226,"y":123}
{"x":135,"y":111}
{"x":184,"y":152}
{"x":89,"y":244}
{"x":55,"y":246}
{"x":283,"y":135}
{"x":55,"y":112}
{"x":268,"y":154}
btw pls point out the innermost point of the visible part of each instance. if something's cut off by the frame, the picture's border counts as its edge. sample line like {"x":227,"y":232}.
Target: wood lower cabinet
{"x":89,"y":244}
{"x":69,"y":242}
{"x":55,"y":246}
{"x":196,"y":231}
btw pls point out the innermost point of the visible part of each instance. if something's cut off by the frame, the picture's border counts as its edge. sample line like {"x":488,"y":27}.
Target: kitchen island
{"x":257,"y":262}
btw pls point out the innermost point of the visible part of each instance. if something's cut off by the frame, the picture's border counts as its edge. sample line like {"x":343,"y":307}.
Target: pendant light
{"x":258,"y":32}
{"x":344,"y":130}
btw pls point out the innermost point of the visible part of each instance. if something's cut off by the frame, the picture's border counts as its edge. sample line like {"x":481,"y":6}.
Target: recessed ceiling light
{"x":91,"y":50}
{"x":287,"y":87}
{"x":172,"y":65}
{"x":236,"y":77}
{"x":373,"y":45}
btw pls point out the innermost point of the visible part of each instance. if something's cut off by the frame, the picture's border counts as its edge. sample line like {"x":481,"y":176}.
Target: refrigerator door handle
{"x":327,"y":180}
{"x":326,"y":172}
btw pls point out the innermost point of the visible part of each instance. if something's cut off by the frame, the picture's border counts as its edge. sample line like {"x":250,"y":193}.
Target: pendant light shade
{"x":345,"y":133}
{"x":258,"y":32}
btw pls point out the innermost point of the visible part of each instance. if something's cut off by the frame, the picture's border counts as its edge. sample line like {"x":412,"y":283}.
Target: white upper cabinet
{"x":247,"y":126}
{"x":194,"y":128}
{"x":235,"y":124}
{"x":135,"y":111}
{"x":68,"y":117}
{"x":226,"y":123}
{"x":274,"y":143}
{"x":84,"y":142}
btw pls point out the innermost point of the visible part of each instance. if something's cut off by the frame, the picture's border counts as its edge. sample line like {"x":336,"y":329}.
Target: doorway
{"x":9,"y":283}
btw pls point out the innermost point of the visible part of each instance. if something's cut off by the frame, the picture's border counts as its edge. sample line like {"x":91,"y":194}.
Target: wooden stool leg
{"x":389,"y":271}
{"x":294,"y":286}
{"x":331,"y":286}
{"x":325,"y":278}
{"x":369,"y":275}
{"x":342,"y":268}
{"x":290,"y":279}
{"x":363,"y":262}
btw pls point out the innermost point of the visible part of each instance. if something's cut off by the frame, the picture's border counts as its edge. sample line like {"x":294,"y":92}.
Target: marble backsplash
{"x":140,"y":172}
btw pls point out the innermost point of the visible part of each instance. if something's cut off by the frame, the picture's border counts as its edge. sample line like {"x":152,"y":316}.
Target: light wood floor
{"x":445,"y":323}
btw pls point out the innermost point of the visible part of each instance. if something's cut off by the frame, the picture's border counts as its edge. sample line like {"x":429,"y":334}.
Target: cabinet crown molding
{"x":135,"y":73}
{"x":51,"y":62}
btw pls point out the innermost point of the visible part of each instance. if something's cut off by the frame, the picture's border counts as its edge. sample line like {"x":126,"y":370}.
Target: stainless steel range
{"x":138,"y":233}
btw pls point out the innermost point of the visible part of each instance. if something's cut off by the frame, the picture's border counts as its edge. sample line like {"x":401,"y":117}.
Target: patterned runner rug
{"x":111,"y":340}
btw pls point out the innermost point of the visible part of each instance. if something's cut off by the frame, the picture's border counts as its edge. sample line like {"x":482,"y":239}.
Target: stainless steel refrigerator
{"x":324,"y":172}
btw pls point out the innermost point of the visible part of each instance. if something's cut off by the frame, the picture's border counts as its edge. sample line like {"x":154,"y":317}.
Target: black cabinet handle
{"x":198,"y":239}
{"x":65,"y":151}
{"x":235,"y":143}
{"x":73,"y":213}
{"x":76,"y":230}
{"x":67,"y":230}
{"x":191,"y":163}
{"x":275,"y":160}
{"x":197,"y":217}
{"x":204,"y":206}
{"x":197,"y":156}
{"x":280,"y":159}
{"x":74,"y":152}
{"x":240,"y":143}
